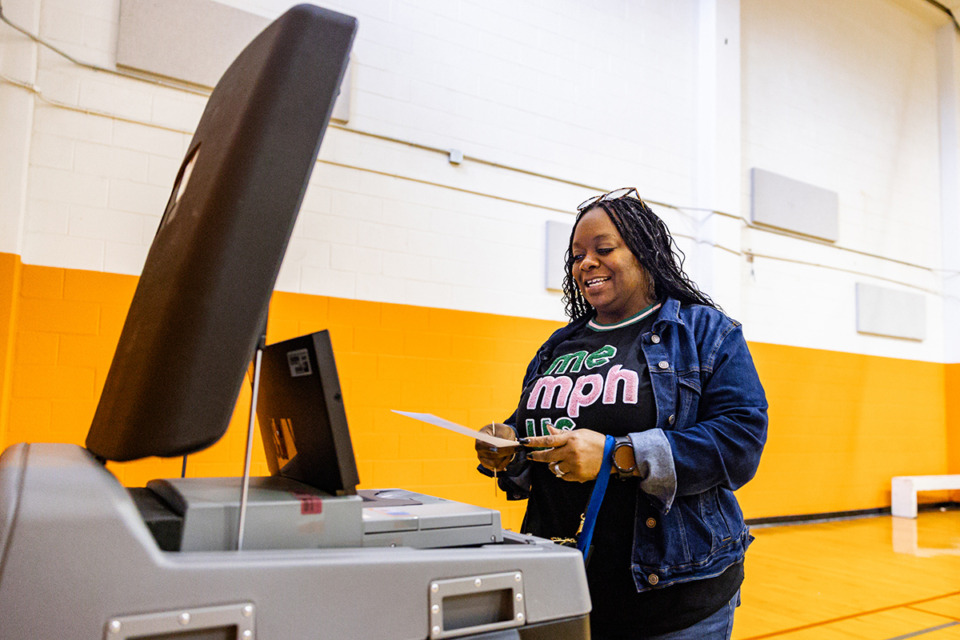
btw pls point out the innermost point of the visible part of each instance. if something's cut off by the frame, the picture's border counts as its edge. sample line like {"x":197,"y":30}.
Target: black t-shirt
{"x":599,"y":380}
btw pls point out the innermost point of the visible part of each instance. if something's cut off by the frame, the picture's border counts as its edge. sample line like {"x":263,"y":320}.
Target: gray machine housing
{"x":286,"y":514}
{"x":79,"y":562}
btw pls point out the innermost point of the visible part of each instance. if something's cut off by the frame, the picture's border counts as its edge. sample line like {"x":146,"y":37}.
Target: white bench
{"x":903,"y":491}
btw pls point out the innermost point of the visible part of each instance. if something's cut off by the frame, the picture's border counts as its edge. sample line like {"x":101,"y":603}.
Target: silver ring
{"x":555,"y":467}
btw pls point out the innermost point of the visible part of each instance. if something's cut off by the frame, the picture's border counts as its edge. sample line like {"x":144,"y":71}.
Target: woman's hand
{"x":572,"y":455}
{"x":493,"y":458}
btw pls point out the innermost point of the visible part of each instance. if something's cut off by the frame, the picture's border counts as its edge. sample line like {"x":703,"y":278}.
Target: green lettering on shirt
{"x":530,"y":426}
{"x":601,"y":356}
{"x":568,"y":362}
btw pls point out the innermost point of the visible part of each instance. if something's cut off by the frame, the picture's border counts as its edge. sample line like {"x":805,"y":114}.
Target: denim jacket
{"x":710,"y":430}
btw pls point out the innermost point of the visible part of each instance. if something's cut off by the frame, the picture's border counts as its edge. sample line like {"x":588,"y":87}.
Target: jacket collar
{"x":670,"y":312}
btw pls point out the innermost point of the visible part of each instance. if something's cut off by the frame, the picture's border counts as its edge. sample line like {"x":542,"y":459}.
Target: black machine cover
{"x":202,"y":299}
{"x":302,"y":418}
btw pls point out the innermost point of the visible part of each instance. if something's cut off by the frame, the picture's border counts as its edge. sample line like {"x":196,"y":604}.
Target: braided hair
{"x":650,"y":242}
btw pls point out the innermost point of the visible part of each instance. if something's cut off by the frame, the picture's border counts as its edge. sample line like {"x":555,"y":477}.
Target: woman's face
{"x":606,"y":271}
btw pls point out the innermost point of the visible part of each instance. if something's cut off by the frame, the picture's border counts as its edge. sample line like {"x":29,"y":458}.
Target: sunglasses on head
{"x":616,"y":194}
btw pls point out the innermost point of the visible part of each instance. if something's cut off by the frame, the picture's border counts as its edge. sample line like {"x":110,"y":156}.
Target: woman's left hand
{"x":572,"y":455}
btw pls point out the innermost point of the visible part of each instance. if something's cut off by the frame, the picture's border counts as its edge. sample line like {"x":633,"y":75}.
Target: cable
{"x":681,"y":209}
{"x":947,"y":11}
{"x":35,"y":90}
{"x":807,"y":263}
{"x":170,"y":84}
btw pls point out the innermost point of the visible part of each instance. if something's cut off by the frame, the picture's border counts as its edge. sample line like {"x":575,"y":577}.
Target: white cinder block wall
{"x":844,"y":95}
{"x":550,"y":102}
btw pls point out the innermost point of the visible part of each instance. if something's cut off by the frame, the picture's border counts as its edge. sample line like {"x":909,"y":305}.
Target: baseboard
{"x":844,"y":515}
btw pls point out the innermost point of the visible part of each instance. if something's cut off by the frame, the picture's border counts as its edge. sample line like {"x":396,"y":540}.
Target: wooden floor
{"x":879,"y":577}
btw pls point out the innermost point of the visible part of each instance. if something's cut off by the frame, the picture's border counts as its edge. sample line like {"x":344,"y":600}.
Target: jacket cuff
{"x":515,"y":479}
{"x":658,"y":476}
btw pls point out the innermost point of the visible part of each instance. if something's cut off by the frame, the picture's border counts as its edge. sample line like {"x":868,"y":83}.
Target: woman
{"x":648,"y":359}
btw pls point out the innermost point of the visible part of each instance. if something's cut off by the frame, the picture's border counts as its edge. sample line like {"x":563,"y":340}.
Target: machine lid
{"x":201,"y":303}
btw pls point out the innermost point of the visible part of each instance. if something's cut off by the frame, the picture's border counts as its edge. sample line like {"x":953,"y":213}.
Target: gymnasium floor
{"x":877,"y":577}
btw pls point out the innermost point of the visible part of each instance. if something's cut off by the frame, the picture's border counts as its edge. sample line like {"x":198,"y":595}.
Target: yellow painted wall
{"x":953,"y":417}
{"x":840,"y":424}
{"x":9,"y":297}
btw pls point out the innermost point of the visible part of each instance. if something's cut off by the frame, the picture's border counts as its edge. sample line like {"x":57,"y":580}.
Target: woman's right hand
{"x":493,"y":458}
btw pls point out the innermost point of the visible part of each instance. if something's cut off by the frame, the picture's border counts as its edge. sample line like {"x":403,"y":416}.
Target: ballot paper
{"x":493,"y":441}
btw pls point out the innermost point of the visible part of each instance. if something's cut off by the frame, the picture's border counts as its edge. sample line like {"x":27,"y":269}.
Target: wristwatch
{"x":624,"y":460}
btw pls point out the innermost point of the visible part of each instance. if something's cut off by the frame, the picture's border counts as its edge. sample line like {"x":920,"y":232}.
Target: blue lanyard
{"x":596,"y":498}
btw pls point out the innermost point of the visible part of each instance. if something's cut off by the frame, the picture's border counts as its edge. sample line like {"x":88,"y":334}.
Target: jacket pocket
{"x":688,"y":536}
{"x":688,"y":402}
{"x":712,"y":516}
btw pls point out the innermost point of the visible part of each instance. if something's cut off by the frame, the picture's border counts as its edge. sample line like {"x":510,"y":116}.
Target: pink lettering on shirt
{"x":631,"y":383}
{"x":548,"y":385}
{"x":582,"y":398}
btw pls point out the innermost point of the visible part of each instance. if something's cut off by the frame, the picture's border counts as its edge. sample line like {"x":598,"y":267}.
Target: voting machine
{"x":298,"y":554}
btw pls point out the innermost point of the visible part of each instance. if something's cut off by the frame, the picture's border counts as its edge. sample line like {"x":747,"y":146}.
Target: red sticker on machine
{"x":309,"y":504}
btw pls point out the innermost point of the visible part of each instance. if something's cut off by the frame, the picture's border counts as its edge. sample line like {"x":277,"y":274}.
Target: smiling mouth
{"x":593,"y":282}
